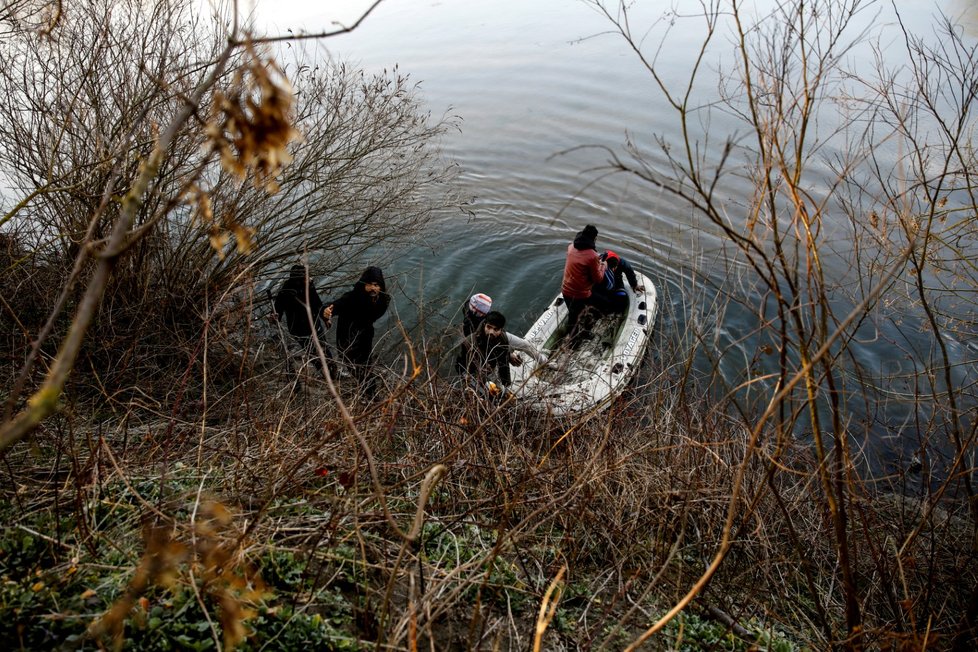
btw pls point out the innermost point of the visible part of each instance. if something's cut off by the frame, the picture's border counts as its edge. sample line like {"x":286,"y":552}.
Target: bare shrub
{"x":631,"y":503}
{"x":81,"y":112}
{"x":854,"y":230}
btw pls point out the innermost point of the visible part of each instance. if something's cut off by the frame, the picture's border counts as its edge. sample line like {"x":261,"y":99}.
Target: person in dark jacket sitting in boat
{"x":612,"y":286}
{"x":488,"y":350}
{"x":296,"y":294}
{"x":356,"y":311}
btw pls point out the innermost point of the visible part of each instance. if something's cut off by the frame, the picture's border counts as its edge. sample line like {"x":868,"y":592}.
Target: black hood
{"x":290,"y":303}
{"x":585,"y":239}
{"x":296,"y":281}
{"x":373,"y":275}
{"x":374,"y":307}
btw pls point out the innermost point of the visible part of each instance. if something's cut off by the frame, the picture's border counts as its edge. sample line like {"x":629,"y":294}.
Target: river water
{"x":531,"y":81}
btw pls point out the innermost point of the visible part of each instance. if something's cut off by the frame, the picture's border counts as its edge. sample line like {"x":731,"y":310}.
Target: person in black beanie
{"x":490,"y":349}
{"x":356,"y":311}
{"x":583,"y":269}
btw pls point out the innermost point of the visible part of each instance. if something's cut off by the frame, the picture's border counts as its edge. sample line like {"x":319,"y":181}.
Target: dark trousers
{"x":613,"y":302}
{"x":591,"y":307}
{"x":310,"y":349}
{"x":357,"y":356}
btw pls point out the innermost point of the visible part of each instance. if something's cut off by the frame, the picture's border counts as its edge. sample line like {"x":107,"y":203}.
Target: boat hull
{"x":590,"y":377}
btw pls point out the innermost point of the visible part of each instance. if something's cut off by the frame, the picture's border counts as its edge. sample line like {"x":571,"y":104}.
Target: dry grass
{"x":631,"y":502}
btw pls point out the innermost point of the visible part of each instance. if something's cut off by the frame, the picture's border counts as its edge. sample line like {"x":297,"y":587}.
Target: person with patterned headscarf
{"x":473,"y":312}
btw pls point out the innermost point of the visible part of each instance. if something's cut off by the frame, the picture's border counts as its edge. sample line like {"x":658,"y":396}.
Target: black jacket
{"x":356,"y":312}
{"x":470,"y":320}
{"x":290,"y":304}
{"x":486,"y":354}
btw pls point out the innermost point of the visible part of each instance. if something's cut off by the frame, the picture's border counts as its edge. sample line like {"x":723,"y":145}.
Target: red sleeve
{"x":595,"y":267}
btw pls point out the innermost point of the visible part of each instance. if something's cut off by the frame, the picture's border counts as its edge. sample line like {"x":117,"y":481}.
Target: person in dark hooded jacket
{"x":297,"y":292}
{"x":355,"y":312}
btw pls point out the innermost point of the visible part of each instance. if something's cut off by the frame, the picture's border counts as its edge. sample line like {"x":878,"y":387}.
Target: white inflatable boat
{"x":588,"y":377}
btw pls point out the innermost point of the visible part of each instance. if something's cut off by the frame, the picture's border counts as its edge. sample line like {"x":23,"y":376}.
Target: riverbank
{"x":259,"y":521}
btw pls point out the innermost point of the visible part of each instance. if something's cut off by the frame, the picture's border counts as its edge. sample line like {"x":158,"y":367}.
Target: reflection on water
{"x":531,"y":82}
{"x":534,"y":81}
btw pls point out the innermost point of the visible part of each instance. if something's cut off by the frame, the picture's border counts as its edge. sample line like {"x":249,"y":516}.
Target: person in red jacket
{"x":582,"y":270}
